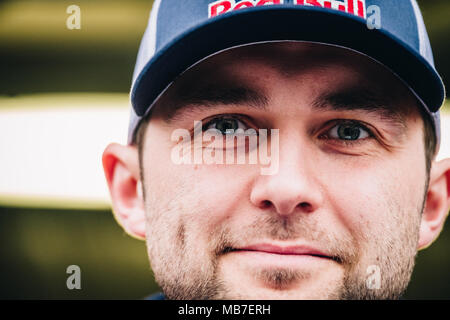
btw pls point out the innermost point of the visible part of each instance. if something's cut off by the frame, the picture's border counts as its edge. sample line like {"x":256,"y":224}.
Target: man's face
{"x":345,"y":201}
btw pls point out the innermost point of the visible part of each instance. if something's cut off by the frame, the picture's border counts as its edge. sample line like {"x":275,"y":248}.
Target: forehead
{"x":289,"y":60}
{"x":261,"y":67}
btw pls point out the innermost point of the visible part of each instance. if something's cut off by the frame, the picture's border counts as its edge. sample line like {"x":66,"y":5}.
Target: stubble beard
{"x":182,"y":278}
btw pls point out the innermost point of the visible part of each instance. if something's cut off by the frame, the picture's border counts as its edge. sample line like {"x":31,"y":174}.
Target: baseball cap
{"x":180,"y":34}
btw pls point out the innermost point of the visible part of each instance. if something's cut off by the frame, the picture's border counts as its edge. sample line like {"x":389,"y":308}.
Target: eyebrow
{"x":385,"y":106}
{"x":206,"y":97}
{"x":353,"y":98}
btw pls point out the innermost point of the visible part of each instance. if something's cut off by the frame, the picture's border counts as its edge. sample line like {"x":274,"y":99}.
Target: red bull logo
{"x":355,"y":7}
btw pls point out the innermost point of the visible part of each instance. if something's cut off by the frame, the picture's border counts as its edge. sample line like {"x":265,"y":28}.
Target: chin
{"x":309,"y":287}
{"x":258,"y":293}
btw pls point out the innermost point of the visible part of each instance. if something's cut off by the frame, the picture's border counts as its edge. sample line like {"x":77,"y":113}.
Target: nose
{"x":293,"y":189}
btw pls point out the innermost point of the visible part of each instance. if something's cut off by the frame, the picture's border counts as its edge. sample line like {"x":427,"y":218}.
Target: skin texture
{"x":357,"y":203}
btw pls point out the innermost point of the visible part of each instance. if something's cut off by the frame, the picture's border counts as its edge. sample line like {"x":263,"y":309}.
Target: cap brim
{"x":276,"y":23}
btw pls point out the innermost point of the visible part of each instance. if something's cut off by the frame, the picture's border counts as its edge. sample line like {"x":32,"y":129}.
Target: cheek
{"x":199,"y":196}
{"x":375,"y":200}
{"x":215,"y":193}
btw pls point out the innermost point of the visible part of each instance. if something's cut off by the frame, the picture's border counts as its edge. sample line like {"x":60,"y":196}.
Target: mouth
{"x":282,"y":252}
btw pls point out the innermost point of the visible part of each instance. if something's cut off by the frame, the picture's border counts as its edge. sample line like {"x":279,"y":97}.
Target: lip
{"x":301,"y":250}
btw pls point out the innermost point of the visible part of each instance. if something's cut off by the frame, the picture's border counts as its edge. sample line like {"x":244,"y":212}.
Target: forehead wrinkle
{"x":290,"y":59}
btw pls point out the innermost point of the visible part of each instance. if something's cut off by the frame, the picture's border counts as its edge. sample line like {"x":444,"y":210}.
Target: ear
{"x":121,"y":166}
{"x":437,"y":203}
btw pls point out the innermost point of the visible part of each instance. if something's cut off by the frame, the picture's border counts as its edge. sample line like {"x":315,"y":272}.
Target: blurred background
{"x":63,"y":98}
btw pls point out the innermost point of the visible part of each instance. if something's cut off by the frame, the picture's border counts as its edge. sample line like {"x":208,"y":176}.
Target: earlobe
{"x":121,"y":167}
{"x":437,"y":204}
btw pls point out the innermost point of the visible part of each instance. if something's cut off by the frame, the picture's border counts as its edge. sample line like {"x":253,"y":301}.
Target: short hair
{"x":429,"y":138}
{"x":139,"y":140}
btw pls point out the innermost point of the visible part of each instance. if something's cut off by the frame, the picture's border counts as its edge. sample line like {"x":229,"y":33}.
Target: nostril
{"x":304,"y":205}
{"x":266,"y":204}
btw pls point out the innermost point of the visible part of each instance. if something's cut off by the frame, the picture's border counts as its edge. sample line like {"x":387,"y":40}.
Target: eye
{"x":226,"y":125}
{"x":348,"y":132}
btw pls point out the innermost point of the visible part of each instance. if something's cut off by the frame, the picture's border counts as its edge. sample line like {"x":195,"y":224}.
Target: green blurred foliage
{"x":37,"y":246}
{"x":436,"y":14}
{"x":39,"y":54}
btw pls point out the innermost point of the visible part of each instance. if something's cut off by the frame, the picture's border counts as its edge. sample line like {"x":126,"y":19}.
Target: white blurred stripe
{"x":55,"y":153}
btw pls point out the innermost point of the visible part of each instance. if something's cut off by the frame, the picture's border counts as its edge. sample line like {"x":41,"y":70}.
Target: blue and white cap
{"x":182,"y":33}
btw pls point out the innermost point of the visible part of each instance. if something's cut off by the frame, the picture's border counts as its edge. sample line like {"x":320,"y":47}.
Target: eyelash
{"x":347,"y":143}
{"x":224,"y":116}
{"x":325,"y":136}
